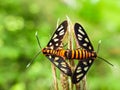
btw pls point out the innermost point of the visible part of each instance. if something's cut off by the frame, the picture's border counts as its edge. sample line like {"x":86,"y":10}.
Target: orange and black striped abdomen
{"x":49,"y":51}
{"x":79,"y":54}
{"x":59,"y":52}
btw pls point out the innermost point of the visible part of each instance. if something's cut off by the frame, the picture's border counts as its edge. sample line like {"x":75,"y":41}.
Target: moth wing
{"x":82,"y":37}
{"x":60,"y":63}
{"x":81,"y":69}
{"x":57,"y":37}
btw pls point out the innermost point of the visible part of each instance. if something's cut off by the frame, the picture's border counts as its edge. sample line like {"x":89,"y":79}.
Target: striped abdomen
{"x":59,"y":52}
{"x":79,"y":54}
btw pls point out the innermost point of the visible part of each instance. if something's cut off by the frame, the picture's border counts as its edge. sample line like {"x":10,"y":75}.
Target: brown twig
{"x":64,"y":81}
{"x":54,"y":70}
{"x":70,"y":46}
{"x":78,"y":86}
{"x":82,"y":84}
{"x":54,"y":77}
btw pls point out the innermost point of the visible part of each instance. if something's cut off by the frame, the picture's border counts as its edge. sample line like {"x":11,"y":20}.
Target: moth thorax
{"x":68,"y":54}
{"x":94,"y":54}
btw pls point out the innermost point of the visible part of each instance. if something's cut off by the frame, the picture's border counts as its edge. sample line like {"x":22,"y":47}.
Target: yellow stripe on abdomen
{"x":76,"y":54}
{"x":72,"y":54}
{"x":80,"y":54}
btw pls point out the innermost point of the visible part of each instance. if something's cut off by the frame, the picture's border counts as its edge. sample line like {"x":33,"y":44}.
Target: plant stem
{"x":54,"y":77}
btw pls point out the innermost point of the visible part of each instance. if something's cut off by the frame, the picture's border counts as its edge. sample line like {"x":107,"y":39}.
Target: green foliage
{"x":20,"y":19}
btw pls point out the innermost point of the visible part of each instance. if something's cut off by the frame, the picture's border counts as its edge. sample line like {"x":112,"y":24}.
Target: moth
{"x":54,"y":46}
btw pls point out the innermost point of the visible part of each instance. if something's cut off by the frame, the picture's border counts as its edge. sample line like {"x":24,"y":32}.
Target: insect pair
{"x":57,"y":55}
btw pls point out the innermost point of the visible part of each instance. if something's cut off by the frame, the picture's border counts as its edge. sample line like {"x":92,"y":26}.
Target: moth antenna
{"x":98,"y":46}
{"x":106,"y":61}
{"x":101,"y":57}
{"x":57,"y":22}
{"x":37,"y":53}
{"x":33,"y":59}
{"x":38,"y":40}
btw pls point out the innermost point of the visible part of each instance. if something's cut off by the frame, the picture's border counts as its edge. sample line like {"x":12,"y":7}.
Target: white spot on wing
{"x":63,"y":64}
{"x":86,"y":39}
{"x":84,"y":44}
{"x":55,"y":35}
{"x":86,"y":68}
{"x":56,"y":44}
{"x":80,"y":30}
{"x":90,"y":47}
{"x":80,"y":75}
{"x":50,"y":43}
{"x":78,"y":70}
{"x":56,"y":58}
{"x":56,"y":63}
{"x":79,"y":37}
{"x":56,"y":39}
{"x":61,"y":27}
{"x":85,"y":63}
{"x":78,"y":79}
{"x":50,"y":57}
{"x":61,"y":32}
{"x":90,"y":61}
{"x":51,"y":47}
{"x":63,"y":69}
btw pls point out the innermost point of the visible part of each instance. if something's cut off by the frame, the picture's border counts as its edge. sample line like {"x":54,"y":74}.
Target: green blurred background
{"x":20,"y":19}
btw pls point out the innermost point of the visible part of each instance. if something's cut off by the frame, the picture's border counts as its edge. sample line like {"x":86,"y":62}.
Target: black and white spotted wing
{"x":60,"y":63}
{"x":57,"y":37}
{"x":82,"y":37}
{"x":81,"y":69}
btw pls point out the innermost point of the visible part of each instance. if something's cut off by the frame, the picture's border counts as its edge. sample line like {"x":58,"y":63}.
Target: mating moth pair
{"x":57,"y":55}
